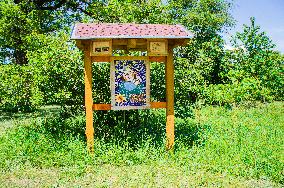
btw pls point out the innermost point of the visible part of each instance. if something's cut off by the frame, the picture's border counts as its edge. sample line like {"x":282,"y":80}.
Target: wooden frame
{"x":168,"y":105}
{"x":170,"y":127}
{"x":167,"y":58}
{"x":89,"y":100}
{"x":112,"y":82}
{"x":98,"y":42}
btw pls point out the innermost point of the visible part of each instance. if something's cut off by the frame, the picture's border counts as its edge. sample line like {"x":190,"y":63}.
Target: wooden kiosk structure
{"x":98,"y":42}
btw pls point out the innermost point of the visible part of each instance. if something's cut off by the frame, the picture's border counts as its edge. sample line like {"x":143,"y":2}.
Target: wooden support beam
{"x":131,"y":43}
{"x":170,"y":100}
{"x":101,"y":106}
{"x":153,"y":105}
{"x":129,"y":58}
{"x":138,"y":48}
{"x":141,"y":42}
{"x":157,"y":58}
{"x":158,"y":104}
{"x":100,"y":58}
{"x":119,"y":41}
{"x":108,"y":58}
{"x":89,"y":100}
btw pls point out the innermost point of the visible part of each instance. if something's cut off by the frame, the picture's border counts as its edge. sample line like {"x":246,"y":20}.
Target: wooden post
{"x":89,"y":100}
{"x":170,"y":100}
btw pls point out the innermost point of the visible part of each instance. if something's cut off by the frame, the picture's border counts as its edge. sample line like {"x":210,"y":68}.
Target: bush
{"x":54,"y":75}
{"x":248,"y":89}
{"x":19,"y":90}
{"x":203,"y":70}
{"x":59,"y":68}
{"x":255,"y":64}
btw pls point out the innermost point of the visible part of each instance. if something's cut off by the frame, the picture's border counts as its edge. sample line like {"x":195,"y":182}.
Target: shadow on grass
{"x":42,"y":112}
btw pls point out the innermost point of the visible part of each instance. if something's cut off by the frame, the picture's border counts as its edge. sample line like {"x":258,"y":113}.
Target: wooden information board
{"x":129,"y":75}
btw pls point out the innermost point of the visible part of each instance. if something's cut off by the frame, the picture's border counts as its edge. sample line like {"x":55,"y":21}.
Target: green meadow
{"x":239,"y":146}
{"x":228,"y":95}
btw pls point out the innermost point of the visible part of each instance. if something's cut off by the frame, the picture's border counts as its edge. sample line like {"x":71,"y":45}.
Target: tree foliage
{"x":35,"y":33}
{"x":19,"y":19}
{"x":59,"y":69}
{"x":19,"y":89}
{"x":255,"y":57}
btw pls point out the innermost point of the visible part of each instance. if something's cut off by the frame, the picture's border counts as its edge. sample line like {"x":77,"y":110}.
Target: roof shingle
{"x":129,"y":30}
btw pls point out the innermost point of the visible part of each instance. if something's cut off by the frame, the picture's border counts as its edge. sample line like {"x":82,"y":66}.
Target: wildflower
{"x":119,"y":98}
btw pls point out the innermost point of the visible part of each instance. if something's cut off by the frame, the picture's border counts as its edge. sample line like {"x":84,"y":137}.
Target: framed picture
{"x":130,"y":83}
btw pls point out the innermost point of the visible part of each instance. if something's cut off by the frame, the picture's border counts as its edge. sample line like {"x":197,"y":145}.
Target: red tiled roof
{"x":128,"y":30}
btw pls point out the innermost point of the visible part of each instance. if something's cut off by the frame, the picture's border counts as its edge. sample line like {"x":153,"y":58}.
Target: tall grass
{"x":245,"y":143}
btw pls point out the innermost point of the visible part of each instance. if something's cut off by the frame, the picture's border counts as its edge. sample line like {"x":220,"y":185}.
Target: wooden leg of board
{"x":89,"y":101}
{"x":170,"y":100}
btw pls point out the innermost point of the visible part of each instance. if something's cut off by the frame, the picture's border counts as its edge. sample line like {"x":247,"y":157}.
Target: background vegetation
{"x":35,"y":35}
{"x":40,"y":66}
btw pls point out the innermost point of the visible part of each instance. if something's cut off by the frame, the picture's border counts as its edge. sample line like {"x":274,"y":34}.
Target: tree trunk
{"x":20,"y":57}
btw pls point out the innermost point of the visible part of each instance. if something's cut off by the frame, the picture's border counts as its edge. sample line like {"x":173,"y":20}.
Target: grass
{"x":9,"y":119}
{"x":217,"y":147}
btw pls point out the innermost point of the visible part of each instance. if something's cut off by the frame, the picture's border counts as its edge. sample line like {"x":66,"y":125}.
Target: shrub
{"x":248,"y":89}
{"x":18,"y":89}
{"x":54,"y":75}
{"x":59,"y":69}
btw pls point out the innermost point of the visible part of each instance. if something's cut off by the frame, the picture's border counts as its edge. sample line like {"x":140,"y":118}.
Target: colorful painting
{"x":130,"y":84}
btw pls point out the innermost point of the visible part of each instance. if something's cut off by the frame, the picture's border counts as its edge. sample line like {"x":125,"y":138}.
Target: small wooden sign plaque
{"x":157,"y":48}
{"x":101,"y":48}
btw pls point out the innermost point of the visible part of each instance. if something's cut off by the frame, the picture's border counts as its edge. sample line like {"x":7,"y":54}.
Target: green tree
{"x":58,"y":69}
{"x":260,"y":59}
{"x":19,"y":19}
{"x":255,"y":58}
{"x":34,"y":21}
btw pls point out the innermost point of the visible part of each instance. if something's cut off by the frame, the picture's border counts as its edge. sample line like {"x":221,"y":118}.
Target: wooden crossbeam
{"x":153,"y":105}
{"x":108,"y":58}
{"x":158,"y":104}
{"x":157,"y":58}
{"x":101,"y":106}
